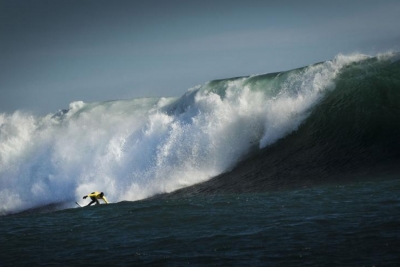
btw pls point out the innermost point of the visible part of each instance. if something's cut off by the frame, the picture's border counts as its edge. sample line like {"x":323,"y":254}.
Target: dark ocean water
{"x":356,"y":224}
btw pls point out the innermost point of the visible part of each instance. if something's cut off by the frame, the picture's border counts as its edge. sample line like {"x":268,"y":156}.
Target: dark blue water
{"x":337,"y":225}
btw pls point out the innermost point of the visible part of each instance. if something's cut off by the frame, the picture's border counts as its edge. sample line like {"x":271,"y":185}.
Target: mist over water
{"x":134,"y":149}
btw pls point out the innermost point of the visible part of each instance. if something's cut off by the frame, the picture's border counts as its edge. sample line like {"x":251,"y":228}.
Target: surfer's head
{"x":101,"y":194}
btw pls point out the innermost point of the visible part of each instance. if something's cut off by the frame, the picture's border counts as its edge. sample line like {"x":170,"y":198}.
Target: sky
{"x":54,"y":52}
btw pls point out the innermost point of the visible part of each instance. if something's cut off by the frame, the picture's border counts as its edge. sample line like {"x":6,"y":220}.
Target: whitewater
{"x":135,"y":149}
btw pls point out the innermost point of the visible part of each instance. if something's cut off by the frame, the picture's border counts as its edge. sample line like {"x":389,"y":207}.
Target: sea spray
{"x":134,"y":149}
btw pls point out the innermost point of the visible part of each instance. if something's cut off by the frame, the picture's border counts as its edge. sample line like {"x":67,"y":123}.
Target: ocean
{"x":292,"y":168}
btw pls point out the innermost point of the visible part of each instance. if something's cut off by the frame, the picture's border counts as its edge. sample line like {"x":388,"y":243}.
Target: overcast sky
{"x":54,"y":52}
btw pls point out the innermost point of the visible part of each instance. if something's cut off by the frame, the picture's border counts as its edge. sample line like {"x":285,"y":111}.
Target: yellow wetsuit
{"x":96,"y":195}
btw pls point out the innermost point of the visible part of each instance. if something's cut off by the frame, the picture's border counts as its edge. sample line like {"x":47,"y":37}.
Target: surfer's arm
{"x":105,"y":200}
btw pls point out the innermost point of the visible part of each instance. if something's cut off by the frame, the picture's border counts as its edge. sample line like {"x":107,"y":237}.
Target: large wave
{"x":134,"y":149}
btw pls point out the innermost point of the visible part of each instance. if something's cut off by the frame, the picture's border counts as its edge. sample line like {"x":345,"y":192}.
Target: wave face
{"x":351,"y":134}
{"x":134,"y":149}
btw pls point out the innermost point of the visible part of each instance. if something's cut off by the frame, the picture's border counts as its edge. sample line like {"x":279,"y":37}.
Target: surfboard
{"x":78,"y":204}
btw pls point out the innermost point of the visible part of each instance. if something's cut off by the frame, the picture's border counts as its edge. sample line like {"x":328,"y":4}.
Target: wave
{"x":351,"y":134}
{"x":134,"y":149}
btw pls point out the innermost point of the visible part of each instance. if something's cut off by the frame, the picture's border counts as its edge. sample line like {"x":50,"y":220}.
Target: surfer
{"x":94,"y":196}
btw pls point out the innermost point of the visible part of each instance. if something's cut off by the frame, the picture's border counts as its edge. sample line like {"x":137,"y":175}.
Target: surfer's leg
{"x":93,"y":201}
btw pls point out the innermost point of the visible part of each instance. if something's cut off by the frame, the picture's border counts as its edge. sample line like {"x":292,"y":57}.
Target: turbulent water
{"x":209,"y":168}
